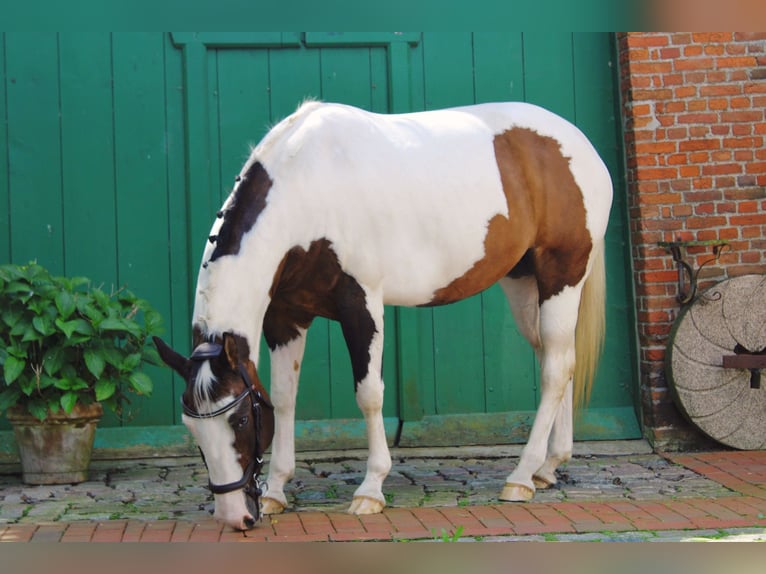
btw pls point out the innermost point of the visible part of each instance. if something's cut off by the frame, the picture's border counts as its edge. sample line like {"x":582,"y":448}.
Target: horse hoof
{"x":271,"y":506}
{"x":542,"y":483}
{"x":365,"y":505}
{"x":516,"y":493}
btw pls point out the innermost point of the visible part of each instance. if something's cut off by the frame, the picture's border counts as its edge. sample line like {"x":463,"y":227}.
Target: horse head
{"x":230,"y":415}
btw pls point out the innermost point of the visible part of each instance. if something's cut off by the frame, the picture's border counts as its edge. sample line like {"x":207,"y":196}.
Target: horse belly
{"x":411,"y":255}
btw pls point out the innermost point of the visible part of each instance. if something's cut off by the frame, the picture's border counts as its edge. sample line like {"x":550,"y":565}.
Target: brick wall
{"x":695,"y":131}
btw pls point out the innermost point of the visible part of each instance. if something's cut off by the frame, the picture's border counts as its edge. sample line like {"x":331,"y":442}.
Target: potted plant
{"x":67,"y":348}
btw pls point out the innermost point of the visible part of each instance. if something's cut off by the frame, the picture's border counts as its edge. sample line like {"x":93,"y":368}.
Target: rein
{"x":249,"y":480}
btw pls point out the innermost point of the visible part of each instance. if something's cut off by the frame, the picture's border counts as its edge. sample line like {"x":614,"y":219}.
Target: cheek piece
{"x":249,"y":480}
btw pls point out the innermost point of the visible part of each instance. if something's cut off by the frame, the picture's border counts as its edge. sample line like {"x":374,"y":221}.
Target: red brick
{"x":741,"y":62}
{"x":208,"y":531}
{"x":316,"y":523}
{"x":109,"y":531}
{"x":647,"y":40}
{"x":48,"y":533}
{"x":752,"y":116}
{"x":704,"y":118}
{"x":490,"y":517}
{"x":77,"y":532}
{"x":158,"y":531}
{"x":695,"y":145}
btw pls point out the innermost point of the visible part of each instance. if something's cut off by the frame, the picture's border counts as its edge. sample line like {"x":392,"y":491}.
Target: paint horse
{"x":339,"y":211}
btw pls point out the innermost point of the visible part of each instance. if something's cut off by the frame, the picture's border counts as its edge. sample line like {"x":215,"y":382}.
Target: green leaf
{"x":101,"y":298}
{"x":89,"y":310}
{"x":54,"y":404}
{"x":42,"y":325}
{"x":65,"y":304}
{"x":38,"y":408}
{"x":152,"y":357}
{"x":68,"y":401}
{"x":113,"y":356}
{"x":54,"y":359}
{"x":141,"y":383}
{"x":131,"y":362}
{"x":95,"y":362}
{"x":12,"y":316}
{"x":12,"y":368}
{"x":9,"y":397}
{"x":83,"y":327}
{"x":105,"y":388}
{"x":63,"y":384}
{"x":67,"y":327}
{"x":112,"y":324}
{"x":30,"y":334}
{"x":153,"y":321}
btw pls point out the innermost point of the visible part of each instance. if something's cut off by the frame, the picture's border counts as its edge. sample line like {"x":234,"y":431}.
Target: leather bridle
{"x":249,"y":480}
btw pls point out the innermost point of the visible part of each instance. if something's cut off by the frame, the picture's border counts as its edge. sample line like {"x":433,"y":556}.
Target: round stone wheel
{"x":727,"y":404}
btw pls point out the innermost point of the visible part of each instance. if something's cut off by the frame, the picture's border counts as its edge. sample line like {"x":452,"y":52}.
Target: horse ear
{"x":231,"y":348}
{"x":171,"y":358}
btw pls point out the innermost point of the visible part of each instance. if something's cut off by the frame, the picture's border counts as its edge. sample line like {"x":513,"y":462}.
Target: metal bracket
{"x":687,"y":275}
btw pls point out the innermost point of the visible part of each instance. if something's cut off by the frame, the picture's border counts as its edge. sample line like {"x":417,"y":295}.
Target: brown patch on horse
{"x":311,"y":283}
{"x":248,"y":201}
{"x":545,"y":233}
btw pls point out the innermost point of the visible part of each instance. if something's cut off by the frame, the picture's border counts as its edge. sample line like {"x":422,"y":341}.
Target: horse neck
{"x":232,"y":297}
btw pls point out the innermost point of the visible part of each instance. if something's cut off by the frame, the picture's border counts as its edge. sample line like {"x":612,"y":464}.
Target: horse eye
{"x":241,"y":422}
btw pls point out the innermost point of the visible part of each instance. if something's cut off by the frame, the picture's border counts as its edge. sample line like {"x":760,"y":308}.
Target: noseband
{"x":249,"y":480}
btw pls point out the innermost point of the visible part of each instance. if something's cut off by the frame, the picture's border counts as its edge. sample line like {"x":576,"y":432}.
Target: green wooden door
{"x":116,"y":150}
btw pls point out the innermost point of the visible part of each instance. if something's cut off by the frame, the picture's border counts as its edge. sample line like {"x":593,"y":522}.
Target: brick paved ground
{"x":432,"y":495}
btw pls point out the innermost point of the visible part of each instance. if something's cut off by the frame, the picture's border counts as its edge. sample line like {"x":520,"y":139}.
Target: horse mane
{"x":280,"y":133}
{"x":202,"y":388}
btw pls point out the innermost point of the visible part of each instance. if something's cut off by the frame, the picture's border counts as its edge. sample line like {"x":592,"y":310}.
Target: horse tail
{"x":591,"y":323}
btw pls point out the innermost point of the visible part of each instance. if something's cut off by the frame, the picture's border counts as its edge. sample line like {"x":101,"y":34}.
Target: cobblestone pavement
{"x":608,"y":494}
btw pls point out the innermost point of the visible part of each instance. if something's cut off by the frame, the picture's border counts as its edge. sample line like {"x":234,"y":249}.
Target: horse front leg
{"x":285,"y":370}
{"x":361,"y":318}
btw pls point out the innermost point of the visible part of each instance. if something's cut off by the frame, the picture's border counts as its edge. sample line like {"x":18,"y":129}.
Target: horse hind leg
{"x":523,"y":298}
{"x":558,"y":320}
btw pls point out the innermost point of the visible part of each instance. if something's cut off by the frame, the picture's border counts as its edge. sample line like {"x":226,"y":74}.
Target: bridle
{"x":249,"y":480}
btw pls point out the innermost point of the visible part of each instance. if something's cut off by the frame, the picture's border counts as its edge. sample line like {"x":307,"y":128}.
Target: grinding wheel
{"x":716,"y":362}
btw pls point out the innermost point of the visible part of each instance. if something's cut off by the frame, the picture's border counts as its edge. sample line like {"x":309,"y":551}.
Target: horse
{"x":338,"y":211}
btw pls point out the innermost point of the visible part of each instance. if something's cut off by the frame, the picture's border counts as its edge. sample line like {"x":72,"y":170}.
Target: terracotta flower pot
{"x":56,"y":450}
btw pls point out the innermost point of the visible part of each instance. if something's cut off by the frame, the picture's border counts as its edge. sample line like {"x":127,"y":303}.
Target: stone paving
{"x":625,"y":492}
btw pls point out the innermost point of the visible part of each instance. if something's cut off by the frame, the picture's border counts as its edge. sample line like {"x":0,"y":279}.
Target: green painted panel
{"x":448,"y":69}
{"x":34,"y":149}
{"x":379,"y":80}
{"x":510,"y":366}
{"x":513,"y":427}
{"x":5,"y":212}
{"x":294,"y":76}
{"x":459,"y":357}
{"x":243,"y":109}
{"x":90,"y":226}
{"x":177,"y":328}
{"x":498,"y":66}
{"x":142,"y":191}
{"x":548,"y":73}
{"x":346,"y":76}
